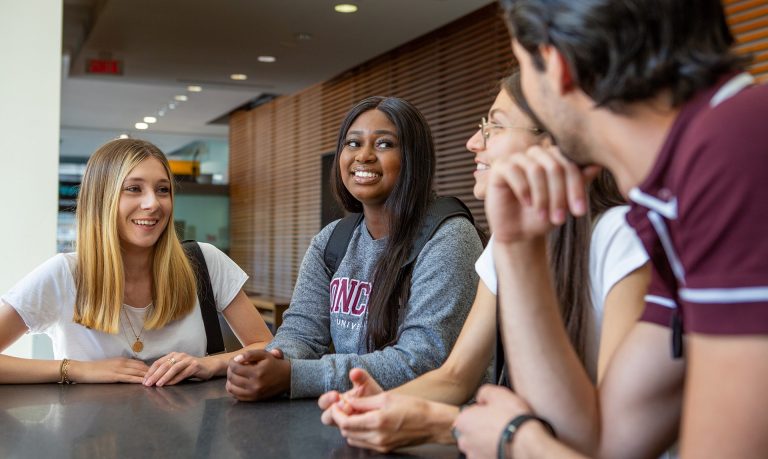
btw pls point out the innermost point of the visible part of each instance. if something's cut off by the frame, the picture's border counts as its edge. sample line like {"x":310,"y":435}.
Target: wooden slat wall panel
{"x":450,"y":74}
{"x":749,"y":23}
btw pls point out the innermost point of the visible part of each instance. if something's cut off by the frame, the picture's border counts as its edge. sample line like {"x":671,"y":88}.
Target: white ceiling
{"x":165,"y":45}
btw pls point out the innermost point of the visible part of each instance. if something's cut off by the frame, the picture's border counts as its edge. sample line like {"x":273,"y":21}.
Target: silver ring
{"x":171,"y":361}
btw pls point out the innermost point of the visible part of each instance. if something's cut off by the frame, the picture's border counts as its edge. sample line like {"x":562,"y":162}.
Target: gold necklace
{"x":137,"y":346}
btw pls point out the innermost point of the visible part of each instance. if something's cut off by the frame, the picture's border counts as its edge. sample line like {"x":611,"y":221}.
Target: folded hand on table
{"x":176,"y":367}
{"x":363,"y":385}
{"x":388,"y":421}
{"x":257,"y":375}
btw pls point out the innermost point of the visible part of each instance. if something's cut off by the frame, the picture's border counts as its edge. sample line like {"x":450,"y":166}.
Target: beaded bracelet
{"x":64,"y":372}
{"x":512,"y":427}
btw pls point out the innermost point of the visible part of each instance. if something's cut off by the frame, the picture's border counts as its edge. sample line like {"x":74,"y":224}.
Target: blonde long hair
{"x":99,"y":276}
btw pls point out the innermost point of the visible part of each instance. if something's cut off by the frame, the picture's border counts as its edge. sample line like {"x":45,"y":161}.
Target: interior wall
{"x":450,"y":74}
{"x":30,"y":47}
{"x":749,"y":23}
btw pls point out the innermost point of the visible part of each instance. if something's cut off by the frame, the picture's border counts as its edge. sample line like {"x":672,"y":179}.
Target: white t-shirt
{"x":614,"y":252}
{"x":45,"y":300}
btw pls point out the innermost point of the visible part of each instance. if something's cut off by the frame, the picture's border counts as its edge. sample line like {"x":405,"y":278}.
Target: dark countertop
{"x":191,"y":420}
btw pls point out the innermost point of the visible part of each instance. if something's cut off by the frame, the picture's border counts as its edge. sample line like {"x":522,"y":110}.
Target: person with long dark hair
{"x":652,"y":91}
{"x":600,"y":272}
{"x":397,"y":322}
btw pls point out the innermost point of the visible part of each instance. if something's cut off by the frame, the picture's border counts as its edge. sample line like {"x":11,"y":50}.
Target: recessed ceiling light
{"x":180,"y":97}
{"x":345,"y":8}
{"x":194,"y":88}
{"x":266,"y":58}
{"x":141,"y":126}
{"x":171,"y":106}
{"x":239,"y":76}
{"x":303,"y":36}
{"x":123,"y":136}
{"x":150,"y":119}
{"x":161,"y":112}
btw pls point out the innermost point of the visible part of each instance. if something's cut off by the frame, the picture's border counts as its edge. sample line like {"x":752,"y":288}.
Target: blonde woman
{"x":123,"y":307}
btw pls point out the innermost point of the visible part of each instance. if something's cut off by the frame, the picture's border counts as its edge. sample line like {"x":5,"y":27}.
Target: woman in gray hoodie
{"x":364,"y":311}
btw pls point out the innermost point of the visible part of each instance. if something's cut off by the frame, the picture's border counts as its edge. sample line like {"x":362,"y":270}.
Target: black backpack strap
{"x":215,"y":341}
{"x":337,"y":243}
{"x":440,"y":210}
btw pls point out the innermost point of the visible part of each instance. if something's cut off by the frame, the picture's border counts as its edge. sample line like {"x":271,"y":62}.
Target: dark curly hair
{"x":621,"y":52}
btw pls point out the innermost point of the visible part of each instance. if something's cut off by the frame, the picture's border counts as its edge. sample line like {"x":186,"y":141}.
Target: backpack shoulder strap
{"x":215,"y":341}
{"x":440,"y":210}
{"x":337,"y":243}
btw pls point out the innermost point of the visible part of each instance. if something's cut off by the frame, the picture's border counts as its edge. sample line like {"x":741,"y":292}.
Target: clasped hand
{"x":370,"y":418}
{"x":530,"y":193}
{"x":258,"y":375}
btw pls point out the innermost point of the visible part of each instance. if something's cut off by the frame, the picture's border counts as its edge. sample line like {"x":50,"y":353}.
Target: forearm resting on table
{"x":552,"y":379}
{"x":15,"y":370}
{"x":440,"y":385}
{"x":221,"y":361}
{"x":456,"y":380}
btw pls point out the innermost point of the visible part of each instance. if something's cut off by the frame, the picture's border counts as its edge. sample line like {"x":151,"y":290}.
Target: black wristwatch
{"x":514,"y":424}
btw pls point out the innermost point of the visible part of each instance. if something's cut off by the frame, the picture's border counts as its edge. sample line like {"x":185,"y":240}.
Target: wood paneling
{"x":449,"y":74}
{"x":749,"y":23}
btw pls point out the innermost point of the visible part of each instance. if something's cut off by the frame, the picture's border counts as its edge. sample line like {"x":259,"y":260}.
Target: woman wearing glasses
{"x":600,"y":274}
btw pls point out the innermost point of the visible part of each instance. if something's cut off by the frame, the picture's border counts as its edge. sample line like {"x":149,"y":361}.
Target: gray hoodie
{"x":327,"y":311}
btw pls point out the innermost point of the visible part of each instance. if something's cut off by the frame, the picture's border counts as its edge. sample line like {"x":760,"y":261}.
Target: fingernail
{"x":579,"y":207}
{"x":558,"y":216}
{"x":239,"y":358}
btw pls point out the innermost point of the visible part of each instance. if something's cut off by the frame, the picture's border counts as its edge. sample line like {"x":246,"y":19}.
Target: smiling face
{"x":145,"y":205}
{"x":508,"y":132}
{"x":370,"y":161}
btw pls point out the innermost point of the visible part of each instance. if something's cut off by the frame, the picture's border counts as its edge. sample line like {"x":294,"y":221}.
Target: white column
{"x":30,"y":50}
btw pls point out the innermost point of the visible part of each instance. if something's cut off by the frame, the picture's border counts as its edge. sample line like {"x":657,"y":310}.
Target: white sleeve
{"x":226,"y":277}
{"x":615,"y":252}
{"x":39,"y":297}
{"x":485,"y":267}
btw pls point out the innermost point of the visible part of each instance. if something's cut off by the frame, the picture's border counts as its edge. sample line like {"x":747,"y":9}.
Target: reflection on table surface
{"x":196,"y":420}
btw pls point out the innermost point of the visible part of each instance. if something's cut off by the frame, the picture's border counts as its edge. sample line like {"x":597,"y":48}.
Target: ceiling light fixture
{"x":267,"y":59}
{"x":345,"y":8}
{"x":171,"y":106}
{"x":194,"y":88}
{"x":141,"y":126}
{"x":161,"y":112}
{"x":303,"y":36}
{"x":180,"y":97}
{"x":239,"y":76}
{"x":123,"y":136}
{"x":150,"y":119}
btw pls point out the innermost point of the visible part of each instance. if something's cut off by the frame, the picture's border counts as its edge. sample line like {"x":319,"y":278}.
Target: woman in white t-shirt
{"x":600,"y":273}
{"x":124,"y":307}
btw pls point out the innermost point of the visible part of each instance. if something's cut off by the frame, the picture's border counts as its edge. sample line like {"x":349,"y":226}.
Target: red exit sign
{"x":104,"y":66}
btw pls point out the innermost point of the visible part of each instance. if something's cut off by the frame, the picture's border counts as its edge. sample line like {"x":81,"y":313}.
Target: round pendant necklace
{"x":137,"y":346}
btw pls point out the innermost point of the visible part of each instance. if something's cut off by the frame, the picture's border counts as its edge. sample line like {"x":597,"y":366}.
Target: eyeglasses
{"x":485,"y":129}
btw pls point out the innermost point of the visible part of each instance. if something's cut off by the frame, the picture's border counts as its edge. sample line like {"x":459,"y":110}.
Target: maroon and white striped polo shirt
{"x":702,"y":214}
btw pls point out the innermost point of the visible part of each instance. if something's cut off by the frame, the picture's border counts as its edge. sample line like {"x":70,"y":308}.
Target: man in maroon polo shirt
{"x":650,"y":90}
